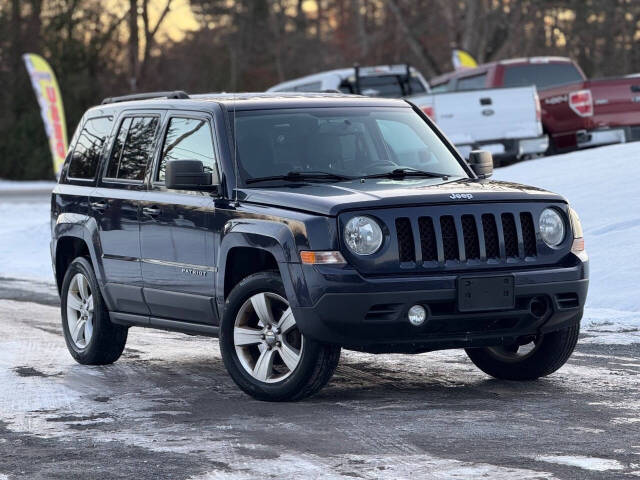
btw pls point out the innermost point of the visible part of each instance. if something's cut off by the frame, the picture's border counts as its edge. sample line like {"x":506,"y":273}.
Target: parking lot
{"x":168,"y":409}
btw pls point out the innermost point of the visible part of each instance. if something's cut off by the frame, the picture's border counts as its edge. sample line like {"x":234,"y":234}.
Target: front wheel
{"x":262,"y":347}
{"x":536,"y":358}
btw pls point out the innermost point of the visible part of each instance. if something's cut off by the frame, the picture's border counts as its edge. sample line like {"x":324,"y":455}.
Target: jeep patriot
{"x":293,"y":225}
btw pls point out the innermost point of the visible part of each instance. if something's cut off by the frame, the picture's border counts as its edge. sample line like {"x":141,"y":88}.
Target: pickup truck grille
{"x":467,"y":237}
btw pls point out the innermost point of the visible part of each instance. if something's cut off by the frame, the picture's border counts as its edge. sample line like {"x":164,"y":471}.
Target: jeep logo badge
{"x":460,"y":196}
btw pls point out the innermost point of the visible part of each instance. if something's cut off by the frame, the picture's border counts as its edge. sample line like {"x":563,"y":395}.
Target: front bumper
{"x":370,"y":314}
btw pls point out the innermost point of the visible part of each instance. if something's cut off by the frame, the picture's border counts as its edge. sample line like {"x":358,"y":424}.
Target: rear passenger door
{"x":176,"y":229}
{"x":115,"y":205}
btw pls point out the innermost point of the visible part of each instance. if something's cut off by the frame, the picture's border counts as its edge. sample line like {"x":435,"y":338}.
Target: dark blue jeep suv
{"x":291,"y":226}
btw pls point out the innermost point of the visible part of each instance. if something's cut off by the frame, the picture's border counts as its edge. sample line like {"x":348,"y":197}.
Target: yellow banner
{"x":46,"y":87}
{"x":462,"y":59}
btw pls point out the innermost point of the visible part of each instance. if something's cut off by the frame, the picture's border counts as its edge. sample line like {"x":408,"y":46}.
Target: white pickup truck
{"x":505,"y":121}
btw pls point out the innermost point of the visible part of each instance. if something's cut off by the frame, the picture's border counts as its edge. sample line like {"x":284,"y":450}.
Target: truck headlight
{"x":551,"y":227}
{"x":363,"y":235}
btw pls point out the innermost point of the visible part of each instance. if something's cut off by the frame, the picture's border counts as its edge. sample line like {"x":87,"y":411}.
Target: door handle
{"x":151,"y":211}
{"x":99,"y":205}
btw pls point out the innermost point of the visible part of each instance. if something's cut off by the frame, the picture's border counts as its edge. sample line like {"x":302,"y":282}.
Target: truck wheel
{"x":262,"y":348}
{"x":90,"y":336}
{"x":540,"y":357}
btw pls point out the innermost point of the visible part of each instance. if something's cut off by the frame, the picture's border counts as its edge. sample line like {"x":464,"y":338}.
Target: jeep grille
{"x":468,"y":237}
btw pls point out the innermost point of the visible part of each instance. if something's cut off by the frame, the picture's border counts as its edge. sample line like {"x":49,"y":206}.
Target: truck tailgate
{"x":616,"y":102}
{"x":484,"y":115}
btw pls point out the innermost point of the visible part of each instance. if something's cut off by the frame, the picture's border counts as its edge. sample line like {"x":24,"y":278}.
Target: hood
{"x":332,"y":199}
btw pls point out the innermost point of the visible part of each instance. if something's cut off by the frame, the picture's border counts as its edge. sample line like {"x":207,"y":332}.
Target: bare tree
{"x":133,"y":44}
{"x":427,"y":62}
{"x":138,"y":66}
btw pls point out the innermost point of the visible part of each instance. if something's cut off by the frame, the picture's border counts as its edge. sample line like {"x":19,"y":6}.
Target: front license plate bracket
{"x":486,"y":293}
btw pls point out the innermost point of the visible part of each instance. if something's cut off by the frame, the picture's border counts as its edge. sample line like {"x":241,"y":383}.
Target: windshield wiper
{"x":295,"y":176}
{"x":406,"y":172}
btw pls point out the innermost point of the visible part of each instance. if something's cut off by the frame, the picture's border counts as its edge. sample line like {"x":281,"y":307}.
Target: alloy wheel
{"x":80,"y":311}
{"x":266,"y":338}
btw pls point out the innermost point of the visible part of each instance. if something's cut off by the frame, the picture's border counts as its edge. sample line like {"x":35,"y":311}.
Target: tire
{"x":106,"y":340}
{"x":246,"y":341}
{"x":551,"y":352}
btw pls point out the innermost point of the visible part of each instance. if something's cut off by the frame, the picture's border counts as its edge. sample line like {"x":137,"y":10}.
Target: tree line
{"x":249,"y":45}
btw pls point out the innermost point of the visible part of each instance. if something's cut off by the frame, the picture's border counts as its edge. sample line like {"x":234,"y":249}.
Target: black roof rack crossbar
{"x":176,"y":94}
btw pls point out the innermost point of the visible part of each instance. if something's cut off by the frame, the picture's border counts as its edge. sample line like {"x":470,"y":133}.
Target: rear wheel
{"x":538,"y":357}
{"x":262,"y":347}
{"x":90,"y":336}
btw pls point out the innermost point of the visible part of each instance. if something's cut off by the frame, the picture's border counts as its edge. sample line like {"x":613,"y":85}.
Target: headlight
{"x":363,"y":235}
{"x":551,"y":227}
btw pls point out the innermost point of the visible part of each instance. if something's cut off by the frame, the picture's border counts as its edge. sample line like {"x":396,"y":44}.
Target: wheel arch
{"x":249,"y":247}
{"x":75,"y":236}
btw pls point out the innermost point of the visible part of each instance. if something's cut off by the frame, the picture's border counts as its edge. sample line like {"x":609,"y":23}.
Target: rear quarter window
{"x":88,"y":148}
{"x":542,"y":75}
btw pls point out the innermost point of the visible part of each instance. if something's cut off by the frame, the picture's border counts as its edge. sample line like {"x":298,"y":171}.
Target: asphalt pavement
{"x":167,"y":409}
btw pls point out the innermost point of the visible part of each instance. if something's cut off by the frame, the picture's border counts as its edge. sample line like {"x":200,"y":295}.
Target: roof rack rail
{"x":176,"y":94}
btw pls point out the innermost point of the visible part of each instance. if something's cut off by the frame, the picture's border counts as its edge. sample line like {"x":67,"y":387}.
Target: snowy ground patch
{"x":612,"y":327}
{"x":601,"y":185}
{"x":586,"y":463}
{"x":10,"y":185}
{"x":25,"y":234}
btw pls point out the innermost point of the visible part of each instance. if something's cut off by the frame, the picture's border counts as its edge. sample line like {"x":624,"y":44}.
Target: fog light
{"x":417,"y":315}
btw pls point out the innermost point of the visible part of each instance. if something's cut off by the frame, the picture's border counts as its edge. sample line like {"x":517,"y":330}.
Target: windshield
{"x":352,"y":142}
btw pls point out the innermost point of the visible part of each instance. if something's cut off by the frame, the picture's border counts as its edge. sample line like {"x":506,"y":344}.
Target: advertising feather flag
{"x":46,"y":87}
{"x":462,"y":59}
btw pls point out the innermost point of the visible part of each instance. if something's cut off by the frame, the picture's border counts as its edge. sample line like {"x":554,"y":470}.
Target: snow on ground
{"x":24,"y":238}
{"x":586,"y":463}
{"x":6,"y":185}
{"x":601,"y":184}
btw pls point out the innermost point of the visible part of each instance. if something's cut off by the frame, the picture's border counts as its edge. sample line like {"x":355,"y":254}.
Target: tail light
{"x":536,"y":100}
{"x":429,"y":111}
{"x":581,"y":102}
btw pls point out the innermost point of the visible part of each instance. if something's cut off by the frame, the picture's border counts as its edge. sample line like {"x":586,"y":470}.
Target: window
{"x":132,"y":148}
{"x":541,"y":75}
{"x":390,"y":86}
{"x":88,"y":147}
{"x":351,"y":142}
{"x":476,"y":82}
{"x":309,"y":87}
{"x":406,"y":146}
{"x":187,"y":139}
{"x":441,"y":87}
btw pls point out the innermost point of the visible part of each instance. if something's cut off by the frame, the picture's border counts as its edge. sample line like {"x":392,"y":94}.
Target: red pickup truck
{"x":576,"y":112}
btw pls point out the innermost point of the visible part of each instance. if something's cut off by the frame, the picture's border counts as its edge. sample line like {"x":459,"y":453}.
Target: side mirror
{"x":481,"y":162}
{"x":188,"y":175}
